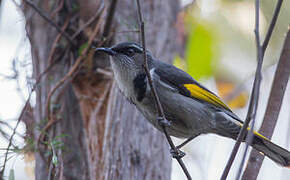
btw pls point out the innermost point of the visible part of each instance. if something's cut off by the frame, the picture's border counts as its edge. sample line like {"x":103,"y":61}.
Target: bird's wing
{"x":187,"y":86}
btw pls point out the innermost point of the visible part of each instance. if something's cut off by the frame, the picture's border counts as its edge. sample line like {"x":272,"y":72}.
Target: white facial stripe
{"x":137,"y":47}
{"x":152,"y":72}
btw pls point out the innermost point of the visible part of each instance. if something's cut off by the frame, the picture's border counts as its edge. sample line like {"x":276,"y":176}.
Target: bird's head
{"x":126,"y":56}
{"x":127,"y":61}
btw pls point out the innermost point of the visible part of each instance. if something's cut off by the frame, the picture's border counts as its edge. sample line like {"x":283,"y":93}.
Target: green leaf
{"x":200,"y":51}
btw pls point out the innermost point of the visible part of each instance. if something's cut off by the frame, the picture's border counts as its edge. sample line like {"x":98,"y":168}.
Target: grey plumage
{"x":190,"y":116}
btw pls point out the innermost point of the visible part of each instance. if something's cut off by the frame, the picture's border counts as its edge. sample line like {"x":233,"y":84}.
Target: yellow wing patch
{"x":202,"y":94}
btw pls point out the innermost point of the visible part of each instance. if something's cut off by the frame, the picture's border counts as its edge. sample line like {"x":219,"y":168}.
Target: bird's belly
{"x":187,"y":116}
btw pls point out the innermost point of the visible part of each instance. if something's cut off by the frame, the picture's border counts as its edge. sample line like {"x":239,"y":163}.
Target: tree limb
{"x":161,"y":115}
{"x":254,"y":96}
{"x":256,"y":87}
{"x":273,"y":108}
{"x":107,"y":27}
{"x":272,"y":25}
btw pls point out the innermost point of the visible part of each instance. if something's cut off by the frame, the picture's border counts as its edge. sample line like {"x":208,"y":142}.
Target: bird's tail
{"x":271,"y":150}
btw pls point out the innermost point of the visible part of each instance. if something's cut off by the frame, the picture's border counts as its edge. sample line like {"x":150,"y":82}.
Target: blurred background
{"x":219,"y":51}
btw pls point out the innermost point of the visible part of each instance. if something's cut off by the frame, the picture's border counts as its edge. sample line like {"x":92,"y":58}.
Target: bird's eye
{"x":130,"y":52}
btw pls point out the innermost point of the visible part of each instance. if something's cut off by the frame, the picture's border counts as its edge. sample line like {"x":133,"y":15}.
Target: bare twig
{"x":13,"y":133}
{"x":256,"y":87}
{"x":6,"y":124}
{"x":273,"y":108}
{"x":4,"y":134}
{"x":256,"y":93}
{"x":157,"y":101}
{"x":44,"y":16}
{"x":5,"y":149}
{"x":14,"y":130}
{"x":272,"y":25}
{"x":142,"y":29}
{"x":22,"y":114}
{"x":24,"y":110}
{"x":109,"y":19}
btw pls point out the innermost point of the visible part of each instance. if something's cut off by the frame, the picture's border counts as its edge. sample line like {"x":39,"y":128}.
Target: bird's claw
{"x":176,"y":153}
{"x":163,"y":122}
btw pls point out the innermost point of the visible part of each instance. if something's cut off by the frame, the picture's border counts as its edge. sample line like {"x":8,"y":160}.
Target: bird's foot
{"x":163,"y":122}
{"x":176,"y":153}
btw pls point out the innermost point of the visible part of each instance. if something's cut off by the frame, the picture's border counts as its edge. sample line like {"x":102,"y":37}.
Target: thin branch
{"x":254,"y":96}
{"x":273,"y":108}
{"x":22,"y":114}
{"x":24,"y":110}
{"x":5,"y":149}
{"x":256,"y":87}
{"x":45,"y":17}
{"x":272,"y":25}
{"x":159,"y":106}
{"x":260,"y":56}
{"x":4,"y":134}
{"x":107,"y":27}
{"x":161,"y":115}
{"x":13,"y":133}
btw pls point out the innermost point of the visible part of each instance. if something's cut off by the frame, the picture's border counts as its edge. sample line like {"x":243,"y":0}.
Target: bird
{"x":190,"y":107}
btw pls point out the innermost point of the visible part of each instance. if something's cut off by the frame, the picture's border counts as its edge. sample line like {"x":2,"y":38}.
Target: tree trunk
{"x":106,"y":137}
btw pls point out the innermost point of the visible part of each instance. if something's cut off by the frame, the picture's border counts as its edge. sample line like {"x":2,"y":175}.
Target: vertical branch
{"x":142,"y":29}
{"x":272,"y":25}
{"x":256,"y":92}
{"x":254,"y":97}
{"x":273,"y":108}
{"x":161,"y":115}
{"x":109,"y":19}
{"x":256,"y":87}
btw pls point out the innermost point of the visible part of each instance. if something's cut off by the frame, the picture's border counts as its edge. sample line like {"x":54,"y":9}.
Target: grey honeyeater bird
{"x":190,"y":108}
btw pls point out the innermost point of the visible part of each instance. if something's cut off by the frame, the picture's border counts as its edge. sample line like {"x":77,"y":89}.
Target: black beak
{"x":106,"y":50}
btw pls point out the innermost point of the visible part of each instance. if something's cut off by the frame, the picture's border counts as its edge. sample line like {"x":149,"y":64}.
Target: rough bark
{"x":107,"y":137}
